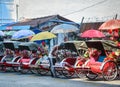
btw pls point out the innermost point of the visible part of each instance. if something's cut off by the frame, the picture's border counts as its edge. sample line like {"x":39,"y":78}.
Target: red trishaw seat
{"x":71,"y":61}
{"x":95,"y":65}
{"x":25,"y":60}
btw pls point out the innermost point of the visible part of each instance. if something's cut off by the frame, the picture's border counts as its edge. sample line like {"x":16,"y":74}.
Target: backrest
{"x":71,"y":61}
{"x":101,"y":58}
{"x":25,"y":54}
{"x":34,"y":60}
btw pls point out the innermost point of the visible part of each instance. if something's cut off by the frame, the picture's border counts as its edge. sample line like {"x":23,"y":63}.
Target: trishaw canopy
{"x":73,"y":45}
{"x":28,"y":46}
{"x":11,"y":44}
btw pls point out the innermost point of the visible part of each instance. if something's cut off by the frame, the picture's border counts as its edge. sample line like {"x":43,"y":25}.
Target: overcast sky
{"x":71,"y":9}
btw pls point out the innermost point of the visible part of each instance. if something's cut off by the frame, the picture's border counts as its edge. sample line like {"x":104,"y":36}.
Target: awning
{"x":26,"y":27}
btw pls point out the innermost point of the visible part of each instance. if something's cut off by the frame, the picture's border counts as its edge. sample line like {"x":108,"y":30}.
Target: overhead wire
{"x":98,"y":3}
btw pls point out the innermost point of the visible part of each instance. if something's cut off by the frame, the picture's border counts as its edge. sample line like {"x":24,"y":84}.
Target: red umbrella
{"x":92,"y":34}
{"x":110,"y":25}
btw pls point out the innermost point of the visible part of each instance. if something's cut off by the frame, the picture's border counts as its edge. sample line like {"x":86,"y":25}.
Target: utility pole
{"x":81,"y":24}
{"x":116,"y":16}
{"x":17,"y":6}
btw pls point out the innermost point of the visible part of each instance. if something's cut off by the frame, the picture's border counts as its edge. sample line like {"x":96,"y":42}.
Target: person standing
{"x":65,"y":39}
{"x":45,"y":48}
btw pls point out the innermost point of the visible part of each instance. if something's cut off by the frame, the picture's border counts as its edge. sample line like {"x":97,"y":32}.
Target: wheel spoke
{"x":67,"y":73}
{"x":110,"y":72}
{"x":91,"y":75}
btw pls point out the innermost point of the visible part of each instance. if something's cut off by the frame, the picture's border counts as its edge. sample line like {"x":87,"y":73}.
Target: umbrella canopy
{"x":111,"y":24}
{"x":64,"y":28}
{"x":9,"y":33}
{"x":8,"y":27}
{"x":2,"y":33}
{"x":22,"y":34}
{"x":36,"y":31}
{"x":43,"y":36}
{"x":92,"y":34}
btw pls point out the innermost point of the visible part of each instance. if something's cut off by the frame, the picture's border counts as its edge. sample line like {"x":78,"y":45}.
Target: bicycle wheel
{"x":34,"y":70}
{"x":67,"y":73}
{"x":110,"y":70}
{"x":80,"y":73}
{"x":91,"y":76}
{"x":42,"y":71}
{"x":15,"y":69}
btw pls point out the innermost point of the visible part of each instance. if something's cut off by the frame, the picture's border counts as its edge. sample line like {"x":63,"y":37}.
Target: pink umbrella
{"x":92,"y":34}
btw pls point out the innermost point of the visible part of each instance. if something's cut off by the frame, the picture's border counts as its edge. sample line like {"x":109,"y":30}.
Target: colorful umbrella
{"x":22,"y":34}
{"x":2,"y":33}
{"x":64,"y":28}
{"x":111,"y":24}
{"x":92,"y":34}
{"x":9,"y":33}
{"x":43,"y":36}
{"x":36,"y":31}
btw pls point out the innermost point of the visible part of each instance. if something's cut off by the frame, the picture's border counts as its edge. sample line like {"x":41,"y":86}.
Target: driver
{"x":94,"y":54}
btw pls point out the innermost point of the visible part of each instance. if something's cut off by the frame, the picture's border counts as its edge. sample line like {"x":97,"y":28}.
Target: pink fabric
{"x":92,"y":59}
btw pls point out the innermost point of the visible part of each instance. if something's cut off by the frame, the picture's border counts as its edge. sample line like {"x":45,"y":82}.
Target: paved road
{"x":10,"y":79}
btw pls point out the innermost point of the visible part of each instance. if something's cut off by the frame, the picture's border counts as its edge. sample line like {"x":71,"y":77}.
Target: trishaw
{"x":10,"y":58}
{"x":102,"y":61}
{"x":27,"y":50}
{"x":67,"y":55}
{"x":42,"y":65}
{"x":1,"y":50}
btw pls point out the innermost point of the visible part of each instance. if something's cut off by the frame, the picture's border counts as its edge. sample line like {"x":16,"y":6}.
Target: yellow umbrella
{"x":43,"y":36}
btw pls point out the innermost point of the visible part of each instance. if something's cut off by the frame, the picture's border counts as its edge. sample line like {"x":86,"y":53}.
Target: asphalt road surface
{"x":12,"y":79}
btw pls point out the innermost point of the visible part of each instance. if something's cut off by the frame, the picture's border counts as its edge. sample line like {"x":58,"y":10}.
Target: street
{"x":13,"y":79}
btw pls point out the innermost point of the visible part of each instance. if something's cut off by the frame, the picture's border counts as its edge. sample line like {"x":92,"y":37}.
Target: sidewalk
{"x":114,"y":82}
